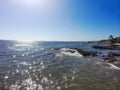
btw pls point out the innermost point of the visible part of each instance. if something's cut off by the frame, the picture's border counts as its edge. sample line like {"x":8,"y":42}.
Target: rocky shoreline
{"x":112,"y":56}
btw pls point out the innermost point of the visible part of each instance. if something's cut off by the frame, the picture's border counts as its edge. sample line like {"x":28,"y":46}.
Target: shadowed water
{"x":46,"y":66}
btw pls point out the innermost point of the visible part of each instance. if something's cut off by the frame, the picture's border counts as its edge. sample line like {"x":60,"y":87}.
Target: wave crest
{"x":70,"y":52}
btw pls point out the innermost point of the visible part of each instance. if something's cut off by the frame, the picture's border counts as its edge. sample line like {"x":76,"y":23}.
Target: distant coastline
{"x":110,"y":40}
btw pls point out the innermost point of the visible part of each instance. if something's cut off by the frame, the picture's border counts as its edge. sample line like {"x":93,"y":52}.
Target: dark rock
{"x":110,"y":47}
{"x":100,"y":53}
{"x":71,"y":51}
{"x":117,"y":63}
{"x":116,"y":44}
{"x":103,"y":55}
{"x":56,"y":48}
{"x":90,"y":42}
{"x":86,"y":53}
{"x":109,"y":59}
{"x":113,"y":54}
{"x":103,"y":47}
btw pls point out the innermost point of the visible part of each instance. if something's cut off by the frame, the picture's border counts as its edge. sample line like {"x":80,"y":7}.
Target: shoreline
{"x":113,"y":55}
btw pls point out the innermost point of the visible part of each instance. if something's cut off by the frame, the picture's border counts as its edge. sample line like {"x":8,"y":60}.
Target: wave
{"x":108,"y":65}
{"x":70,"y":52}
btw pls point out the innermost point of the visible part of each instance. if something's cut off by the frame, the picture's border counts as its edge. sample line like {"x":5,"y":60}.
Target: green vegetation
{"x":116,"y":40}
{"x":111,"y":40}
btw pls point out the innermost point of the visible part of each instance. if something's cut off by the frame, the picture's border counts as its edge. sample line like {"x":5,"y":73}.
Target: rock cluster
{"x":112,"y":57}
{"x":86,"y":53}
{"x":109,"y":47}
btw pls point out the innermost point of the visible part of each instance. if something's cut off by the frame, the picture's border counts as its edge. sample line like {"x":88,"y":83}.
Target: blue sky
{"x":59,"y":20}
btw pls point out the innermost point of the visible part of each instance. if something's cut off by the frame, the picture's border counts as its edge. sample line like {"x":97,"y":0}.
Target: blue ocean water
{"x":47,"y":66}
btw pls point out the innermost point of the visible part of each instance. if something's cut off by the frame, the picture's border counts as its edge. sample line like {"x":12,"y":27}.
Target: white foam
{"x":112,"y":66}
{"x":59,"y":55}
{"x":70,"y":52}
{"x":108,"y":65}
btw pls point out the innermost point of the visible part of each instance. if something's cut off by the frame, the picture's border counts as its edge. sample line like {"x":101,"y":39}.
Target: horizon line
{"x":50,"y":40}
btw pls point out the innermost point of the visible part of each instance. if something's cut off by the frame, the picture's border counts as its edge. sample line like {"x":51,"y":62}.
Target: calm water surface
{"x":47,"y":66}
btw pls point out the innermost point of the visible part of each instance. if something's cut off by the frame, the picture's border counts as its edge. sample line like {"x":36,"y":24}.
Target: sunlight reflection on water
{"x":27,"y":67}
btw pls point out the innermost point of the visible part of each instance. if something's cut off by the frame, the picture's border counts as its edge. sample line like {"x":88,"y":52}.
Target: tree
{"x":111,"y":38}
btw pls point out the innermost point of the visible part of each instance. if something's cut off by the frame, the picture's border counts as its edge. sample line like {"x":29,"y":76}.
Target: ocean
{"x":47,"y":65}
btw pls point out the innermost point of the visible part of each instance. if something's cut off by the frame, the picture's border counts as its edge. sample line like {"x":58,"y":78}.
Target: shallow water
{"x":43,"y":66}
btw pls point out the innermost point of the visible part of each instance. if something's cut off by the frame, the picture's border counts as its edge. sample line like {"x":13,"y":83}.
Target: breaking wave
{"x":70,"y":52}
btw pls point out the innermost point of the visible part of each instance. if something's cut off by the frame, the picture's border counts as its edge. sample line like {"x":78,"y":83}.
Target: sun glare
{"x":25,"y":41}
{"x":30,"y":2}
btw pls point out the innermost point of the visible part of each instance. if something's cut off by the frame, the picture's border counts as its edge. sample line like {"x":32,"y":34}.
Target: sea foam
{"x":70,"y":52}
